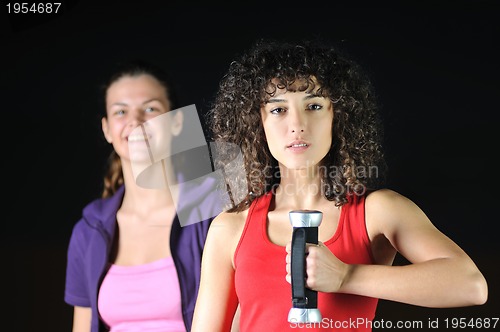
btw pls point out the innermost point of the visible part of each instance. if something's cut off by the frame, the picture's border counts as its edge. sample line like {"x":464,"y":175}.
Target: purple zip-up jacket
{"x":93,"y":236}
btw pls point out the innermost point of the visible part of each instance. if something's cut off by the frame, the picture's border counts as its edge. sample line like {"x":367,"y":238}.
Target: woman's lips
{"x":298,"y":146}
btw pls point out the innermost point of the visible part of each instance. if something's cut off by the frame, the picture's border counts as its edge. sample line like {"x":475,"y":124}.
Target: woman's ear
{"x":105,"y":129}
{"x":177,"y":122}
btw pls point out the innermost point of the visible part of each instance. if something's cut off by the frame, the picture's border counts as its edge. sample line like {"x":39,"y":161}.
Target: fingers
{"x":311,"y":249}
{"x":288,"y":268}
{"x":288,"y":247}
{"x":314,"y":247}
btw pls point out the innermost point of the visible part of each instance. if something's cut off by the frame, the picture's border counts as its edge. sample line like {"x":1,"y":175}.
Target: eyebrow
{"x":278,"y":100}
{"x":150,"y":100}
{"x":144,"y":103}
{"x":118,"y":104}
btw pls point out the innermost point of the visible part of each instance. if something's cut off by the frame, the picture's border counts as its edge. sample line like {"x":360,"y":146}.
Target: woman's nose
{"x":135,"y":119}
{"x":297,"y":121}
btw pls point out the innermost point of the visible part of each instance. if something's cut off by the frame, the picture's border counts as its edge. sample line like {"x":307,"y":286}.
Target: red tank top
{"x":264,"y":294}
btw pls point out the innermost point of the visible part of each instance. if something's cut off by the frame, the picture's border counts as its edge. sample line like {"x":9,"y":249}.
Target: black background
{"x":434,"y":65}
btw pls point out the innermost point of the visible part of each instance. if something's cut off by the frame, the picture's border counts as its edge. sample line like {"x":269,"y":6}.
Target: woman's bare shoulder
{"x":388,"y":210}
{"x":229,"y":223}
{"x":230,"y":219}
{"x":224,"y":235}
{"x":386,"y":200}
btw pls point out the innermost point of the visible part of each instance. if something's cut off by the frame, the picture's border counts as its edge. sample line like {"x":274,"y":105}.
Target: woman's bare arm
{"x":217,"y":302}
{"x":82,"y":318}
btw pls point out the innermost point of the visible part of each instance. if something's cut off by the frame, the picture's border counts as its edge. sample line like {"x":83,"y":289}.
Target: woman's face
{"x":132,"y":101}
{"x":298,"y":127}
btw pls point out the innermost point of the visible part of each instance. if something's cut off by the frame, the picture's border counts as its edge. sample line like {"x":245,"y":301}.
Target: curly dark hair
{"x":357,"y":132}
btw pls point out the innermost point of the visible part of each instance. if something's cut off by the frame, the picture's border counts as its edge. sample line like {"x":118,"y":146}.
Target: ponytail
{"x":113,"y":178}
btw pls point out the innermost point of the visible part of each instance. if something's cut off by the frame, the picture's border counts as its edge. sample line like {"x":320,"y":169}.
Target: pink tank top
{"x":142,"y":298}
{"x":264,"y":294}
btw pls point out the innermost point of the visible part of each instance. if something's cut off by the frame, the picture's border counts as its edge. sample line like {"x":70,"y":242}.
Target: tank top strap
{"x":357,"y":221}
{"x":352,"y":231}
{"x":255,"y":222}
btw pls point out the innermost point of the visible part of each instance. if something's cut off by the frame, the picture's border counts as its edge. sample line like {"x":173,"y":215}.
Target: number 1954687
{"x":34,"y":8}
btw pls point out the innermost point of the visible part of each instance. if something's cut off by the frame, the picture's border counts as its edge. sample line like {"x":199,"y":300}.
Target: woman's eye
{"x":314,"y":107}
{"x":120,"y":112}
{"x":277,"y":110}
{"x":150,"y":110}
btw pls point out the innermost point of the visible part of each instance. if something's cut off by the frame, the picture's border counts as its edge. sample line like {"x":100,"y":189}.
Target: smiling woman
{"x":300,"y":112}
{"x":128,"y":251}
{"x":132,"y":101}
{"x":135,"y":92}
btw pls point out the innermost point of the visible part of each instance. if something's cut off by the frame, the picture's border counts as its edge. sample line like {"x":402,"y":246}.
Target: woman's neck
{"x":144,"y":199}
{"x":301,"y":189}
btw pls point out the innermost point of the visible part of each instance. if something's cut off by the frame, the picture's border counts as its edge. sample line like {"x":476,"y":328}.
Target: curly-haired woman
{"x":306,"y":120}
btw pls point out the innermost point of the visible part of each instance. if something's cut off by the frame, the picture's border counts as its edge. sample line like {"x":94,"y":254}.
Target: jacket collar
{"x":102,"y":212}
